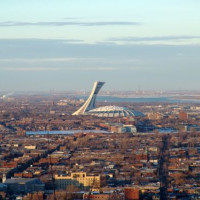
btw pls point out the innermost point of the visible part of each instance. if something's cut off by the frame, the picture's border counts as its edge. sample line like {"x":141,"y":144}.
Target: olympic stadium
{"x":89,"y":107}
{"x":114,"y":111}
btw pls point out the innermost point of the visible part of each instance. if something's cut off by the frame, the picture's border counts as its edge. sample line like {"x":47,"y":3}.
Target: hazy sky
{"x":68,"y":44}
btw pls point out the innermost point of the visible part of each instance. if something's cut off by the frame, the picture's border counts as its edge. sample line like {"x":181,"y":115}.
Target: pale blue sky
{"x":152,"y":44}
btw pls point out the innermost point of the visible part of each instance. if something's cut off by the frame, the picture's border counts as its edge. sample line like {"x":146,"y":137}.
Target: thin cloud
{"x":40,"y":60}
{"x":52,"y":60}
{"x":99,"y":69}
{"x":156,"y":38}
{"x":28,"y":69}
{"x":66,"y":60}
{"x":68,"y":23}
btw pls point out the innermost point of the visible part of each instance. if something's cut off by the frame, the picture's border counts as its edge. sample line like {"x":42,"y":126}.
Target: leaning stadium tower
{"x":90,"y":103}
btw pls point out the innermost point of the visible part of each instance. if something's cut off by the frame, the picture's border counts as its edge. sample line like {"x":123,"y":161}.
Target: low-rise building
{"x":23,"y":185}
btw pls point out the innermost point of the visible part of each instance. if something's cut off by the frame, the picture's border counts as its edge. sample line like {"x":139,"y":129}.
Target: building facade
{"x":79,"y":179}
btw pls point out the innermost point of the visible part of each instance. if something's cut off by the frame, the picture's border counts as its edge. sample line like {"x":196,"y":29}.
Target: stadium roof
{"x":114,"y":111}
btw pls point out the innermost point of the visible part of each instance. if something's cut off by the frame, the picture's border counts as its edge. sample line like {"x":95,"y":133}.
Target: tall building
{"x":90,"y":103}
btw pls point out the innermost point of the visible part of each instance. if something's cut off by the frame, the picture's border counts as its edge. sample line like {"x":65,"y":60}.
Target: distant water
{"x":70,"y":132}
{"x":142,"y":99}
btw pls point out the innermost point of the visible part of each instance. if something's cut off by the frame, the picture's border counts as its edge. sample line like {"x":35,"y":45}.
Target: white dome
{"x":114,"y":111}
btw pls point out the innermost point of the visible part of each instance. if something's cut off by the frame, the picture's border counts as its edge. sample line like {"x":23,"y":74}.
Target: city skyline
{"x":67,"y":45}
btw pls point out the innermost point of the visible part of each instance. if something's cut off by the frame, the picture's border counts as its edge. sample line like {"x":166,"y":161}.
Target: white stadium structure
{"x":88,"y":107}
{"x":114,"y":111}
